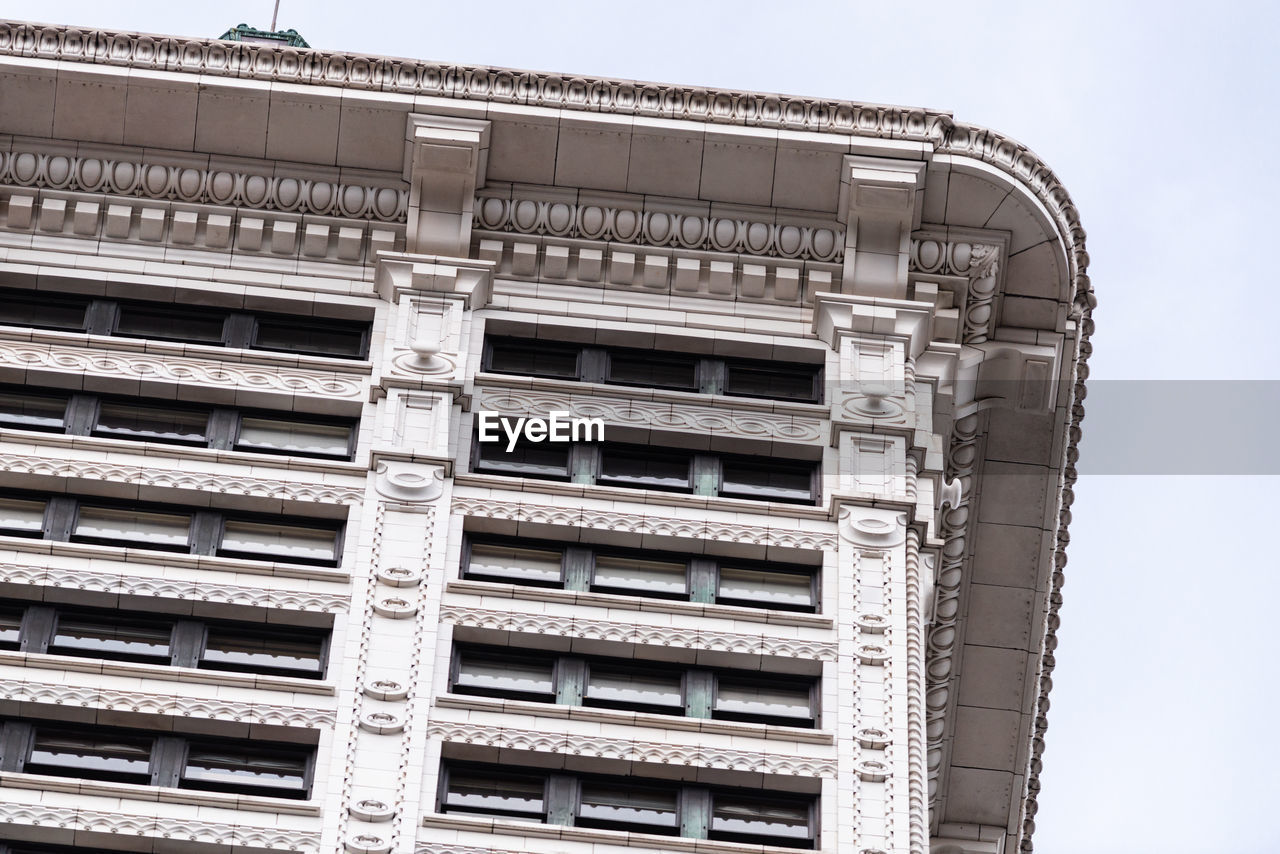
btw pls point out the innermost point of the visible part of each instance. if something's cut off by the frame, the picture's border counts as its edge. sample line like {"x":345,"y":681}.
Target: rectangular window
{"x":309,"y":336}
{"x":640,"y":577}
{"x":643,"y":468}
{"x":636,"y":690}
{"x":137,"y":320}
{"x":497,"y":562}
{"x":26,"y":411}
{"x":770,"y":380}
{"x":626,"y":807}
{"x":111,"y":526}
{"x":775,"y":480}
{"x":550,"y":462}
{"x":294,"y":652}
{"x":107,"y":756}
{"x":21,"y":518}
{"x":775,"y":701}
{"x":42,"y":311}
{"x":96,"y":637}
{"x":225,"y":767}
{"x":10,"y":628}
{"x":505,"y":676}
{"x":265,"y":540}
{"x":510,"y":796}
{"x":276,"y":436}
{"x":765,"y":589}
{"x":744,"y":818}
{"x":152,"y":424}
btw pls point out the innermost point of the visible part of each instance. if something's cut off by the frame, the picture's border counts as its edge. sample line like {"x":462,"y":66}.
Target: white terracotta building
{"x":266,"y":590}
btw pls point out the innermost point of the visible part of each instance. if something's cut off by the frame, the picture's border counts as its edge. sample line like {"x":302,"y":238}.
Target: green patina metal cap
{"x":252,"y":35}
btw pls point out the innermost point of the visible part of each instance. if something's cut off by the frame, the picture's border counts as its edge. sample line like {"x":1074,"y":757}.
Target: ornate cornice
{"x":654,"y":414}
{"x":105,"y":582}
{"x":169,"y":478}
{"x":664,"y":753}
{"x":186,"y":828}
{"x":635,"y":523}
{"x":213,"y":58}
{"x":69,"y":696}
{"x":27,"y":355}
{"x":134,"y":176}
{"x":544,"y":624}
{"x":640,"y":224}
{"x":979,"y":263}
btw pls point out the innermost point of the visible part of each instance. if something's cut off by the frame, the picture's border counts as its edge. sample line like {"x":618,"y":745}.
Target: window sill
{"x":531,"y":486}
{"x":616,"y":716}
{"x":165,"y":672}
{"x":817,"y":411}
{"x":639,"y":603}
{"x":183,"y":560}
{"x":605,"y":837}
{"x":164,"y":449}
{"x":161,"y":794}
{"x":176,"y":349}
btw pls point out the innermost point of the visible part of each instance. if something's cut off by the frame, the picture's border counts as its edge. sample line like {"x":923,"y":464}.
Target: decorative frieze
{"x":620,"y":632}
{"x":184,"y":829}
{"x":978,"y":263}
{"x":264,"y":714}
{"x":169,"y":478}
{"x":655,"y":415}
{"x":635,"y":523}
{"x":149,"y":367}
{"x":626,"y":750}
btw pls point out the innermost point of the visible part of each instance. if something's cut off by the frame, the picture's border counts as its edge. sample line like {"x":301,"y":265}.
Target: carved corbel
{"x":445,"y":162}
{"x":1008,"y":375}
{"x":879,"y":203}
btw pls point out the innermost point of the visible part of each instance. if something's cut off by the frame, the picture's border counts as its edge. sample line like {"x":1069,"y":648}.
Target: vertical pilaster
{"x":445,"y":163}
{"x":879,"y":204}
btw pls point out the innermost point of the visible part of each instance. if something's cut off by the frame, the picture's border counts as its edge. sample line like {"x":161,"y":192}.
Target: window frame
{"x":711,"y":373}
{"x":239,"y":327}
{"x":168,"y":754}
{"x":699,"y":686}
{"x":702,"y":572}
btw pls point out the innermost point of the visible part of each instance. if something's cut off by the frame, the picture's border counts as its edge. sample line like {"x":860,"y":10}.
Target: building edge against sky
{"x":456,"y":237}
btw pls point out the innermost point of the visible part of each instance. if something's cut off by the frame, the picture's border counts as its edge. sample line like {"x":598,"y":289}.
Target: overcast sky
{"x":1159,"y":118}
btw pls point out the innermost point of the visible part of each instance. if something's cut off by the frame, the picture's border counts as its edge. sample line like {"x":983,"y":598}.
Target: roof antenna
{"x":275,"y":13}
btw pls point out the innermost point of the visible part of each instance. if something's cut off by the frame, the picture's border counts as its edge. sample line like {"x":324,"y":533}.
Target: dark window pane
{"x":527,"y":460}
{"x":651,"y":371}
{"x":10,"y":627}
{"x":269,"y":541}
{"x":293,"y":437}
{"x":505,"y":677}
{"x":220,"y":768}
{"x":777,"y":383}
{"x":515,"y":564}
{"x":640,"y":577}
{"x":642,"y":810}
{"x":738,"y":699}
{"x":634,"y":690}
{"x":511,"y":796}
{"x":734,"y":817}
{"x":765,"y":589}
{"x":146,"y":641}
{"x":534,"y":360}
{"x":241,"y":650}
{"x":303,"y":335}
{"x":132,"y":528}
{"x":773,"y":481}
{"x":146,"y":423}
{"x":644,"y":470}
{"x":22,"y":518}
{"x":32,"y":412}
{"x":140,"y":322}
{"x":42,"y":312}
{"x":125,"y":759}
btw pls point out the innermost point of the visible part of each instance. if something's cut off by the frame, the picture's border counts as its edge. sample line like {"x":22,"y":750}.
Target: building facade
{"x":268,"y":587}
